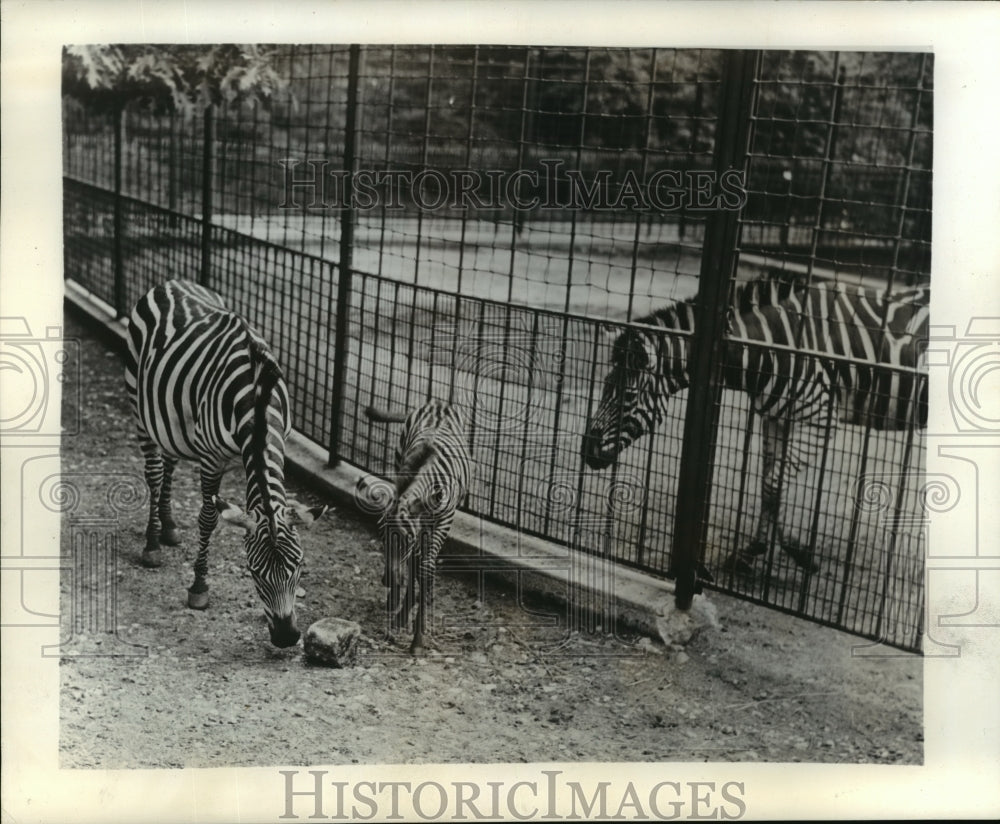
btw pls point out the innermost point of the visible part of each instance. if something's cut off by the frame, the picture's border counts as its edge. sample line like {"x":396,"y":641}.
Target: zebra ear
{"x":233,"y":515}
{"x":304,"y":515}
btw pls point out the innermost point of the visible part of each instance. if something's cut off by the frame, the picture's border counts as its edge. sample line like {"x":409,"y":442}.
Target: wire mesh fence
{"x":482,"y":223}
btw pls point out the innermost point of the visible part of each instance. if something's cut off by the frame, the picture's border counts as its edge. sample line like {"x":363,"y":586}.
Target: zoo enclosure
{"x":391,"y":293}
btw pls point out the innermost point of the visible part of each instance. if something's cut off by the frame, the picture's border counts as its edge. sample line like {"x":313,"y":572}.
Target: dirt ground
{"x":206,"y":689}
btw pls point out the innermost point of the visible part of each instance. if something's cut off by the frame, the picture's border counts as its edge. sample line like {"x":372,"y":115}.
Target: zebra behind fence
{"x":205,"y":387}
{"x":433,"y":471}
{"x":828,"y":343}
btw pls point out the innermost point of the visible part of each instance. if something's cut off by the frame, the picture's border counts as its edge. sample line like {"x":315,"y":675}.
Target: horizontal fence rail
{"x":512,"y":312}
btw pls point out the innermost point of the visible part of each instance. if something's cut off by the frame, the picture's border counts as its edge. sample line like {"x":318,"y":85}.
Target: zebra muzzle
{"x":592,"y":455}
{"x":284,"y":632}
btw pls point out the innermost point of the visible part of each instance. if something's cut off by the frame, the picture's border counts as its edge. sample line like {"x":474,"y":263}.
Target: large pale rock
{"x":332,"y":642}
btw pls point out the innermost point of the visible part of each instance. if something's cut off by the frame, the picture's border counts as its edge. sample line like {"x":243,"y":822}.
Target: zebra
{"x":205,"y":387}
{"x":432,"y":476}
{"x":831,"y":319}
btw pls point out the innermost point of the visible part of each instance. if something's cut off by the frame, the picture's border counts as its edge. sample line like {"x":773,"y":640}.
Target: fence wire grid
{"x":479,"y":223}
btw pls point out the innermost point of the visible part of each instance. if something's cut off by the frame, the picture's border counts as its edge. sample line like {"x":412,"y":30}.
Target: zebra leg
{"x":409,"y":597}
{"x":776,"y":435}
{"x":151,"y":554}
{"x":208,"y":517}
{"x":398,"y":599}
{"x":393,"y":601}
{"x":425,"y":604}
{"x":770,"y":500}
{"x":768,"y":529}
{"x":429,"y":551}
{"x":168,"y":532}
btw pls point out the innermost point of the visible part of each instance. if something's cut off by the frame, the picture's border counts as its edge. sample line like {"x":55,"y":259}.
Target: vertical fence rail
{"x":117,"y":262}
{"x":347,"y":219}
{"x":718,"y":263}
{"x":207,"y":156}
{"x":829,"y":160}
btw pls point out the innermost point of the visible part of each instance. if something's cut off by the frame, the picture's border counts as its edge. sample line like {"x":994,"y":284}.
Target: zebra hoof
{"x":802,"y":556}
{"x":739,"y":565}
{"x":198,"y":600}
{"x":152,"y":558}
{"x":169,"y":536}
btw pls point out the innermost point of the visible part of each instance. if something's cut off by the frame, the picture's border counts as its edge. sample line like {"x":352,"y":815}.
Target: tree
{"x":168,"y":78}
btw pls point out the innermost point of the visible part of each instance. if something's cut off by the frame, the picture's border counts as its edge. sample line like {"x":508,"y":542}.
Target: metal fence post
{"x":208,"y":172}
{"x":117,"y":262}
{"x":829,"y":156}
{"x":718,"y":263}
{"x":344,"y":273}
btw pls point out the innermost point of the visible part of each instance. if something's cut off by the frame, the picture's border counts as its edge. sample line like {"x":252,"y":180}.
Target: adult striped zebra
{"x":205,"y":387}
{"x":840,"y":326}
{"x":432,"y":475}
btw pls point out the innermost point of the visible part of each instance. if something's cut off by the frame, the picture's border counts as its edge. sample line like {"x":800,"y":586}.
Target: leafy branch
{"x":172,"y":77}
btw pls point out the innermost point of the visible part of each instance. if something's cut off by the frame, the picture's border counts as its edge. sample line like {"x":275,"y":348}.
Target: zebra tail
{"x":373,"y":413}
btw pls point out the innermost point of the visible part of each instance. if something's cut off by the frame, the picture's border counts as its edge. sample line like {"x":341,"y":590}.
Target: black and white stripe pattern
{"x":205,"y":387}
{"x":433,"y":472}
{"x":871,"y":366}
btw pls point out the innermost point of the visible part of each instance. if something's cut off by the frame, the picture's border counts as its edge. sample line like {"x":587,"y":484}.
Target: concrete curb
{"x":595,"y":592}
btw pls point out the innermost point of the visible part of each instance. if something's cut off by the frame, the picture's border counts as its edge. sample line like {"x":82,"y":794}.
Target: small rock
{"x":681,"y":657}
{"x":299,"y":592}
{"x":332,"y":642}
{"x":647,"y":645}
{"x":676,"y":626}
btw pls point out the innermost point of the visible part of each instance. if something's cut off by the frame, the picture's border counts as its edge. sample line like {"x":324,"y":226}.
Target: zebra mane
{"x":268,"y":376}
{"x":771,"y":288}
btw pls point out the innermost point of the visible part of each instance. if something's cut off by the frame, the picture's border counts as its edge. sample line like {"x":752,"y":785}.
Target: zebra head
{"x":274,"y":558}
{"x":645,"y":369}
{"x":407,"y":526}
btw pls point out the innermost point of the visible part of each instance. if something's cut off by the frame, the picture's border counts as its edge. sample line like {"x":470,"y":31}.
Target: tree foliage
{"x":163,"y":78}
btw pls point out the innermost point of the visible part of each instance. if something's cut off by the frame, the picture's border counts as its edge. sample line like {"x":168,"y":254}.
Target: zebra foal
{"x":794,"y":351}
{"x":432,"y":475}
{"x":205,"y":387}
